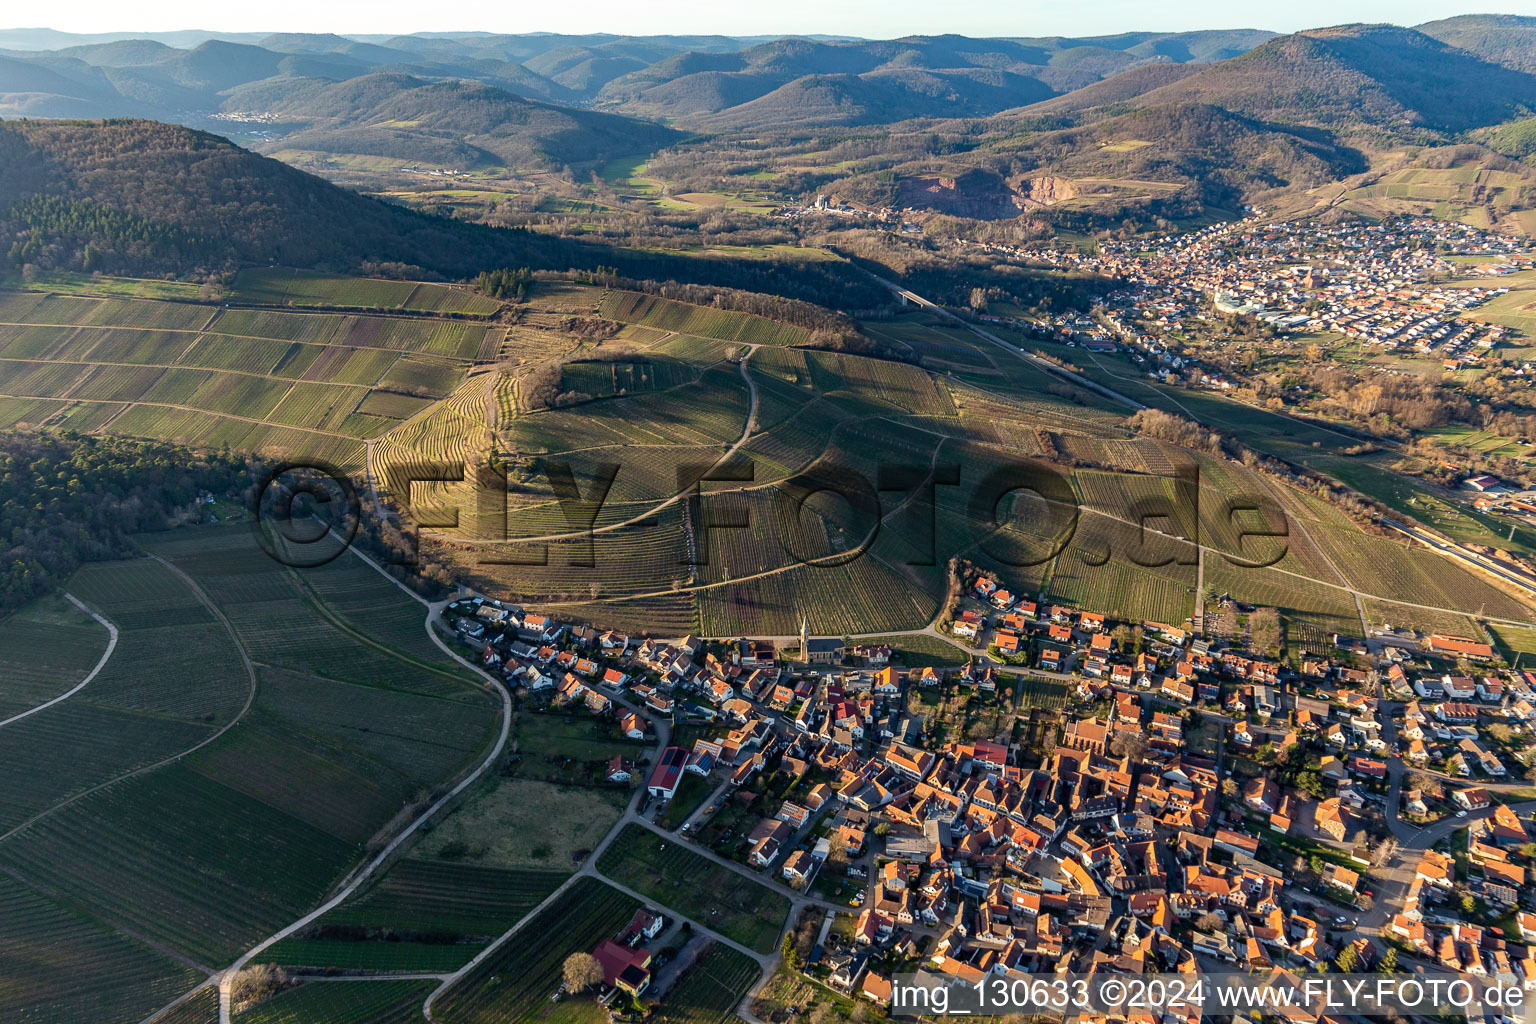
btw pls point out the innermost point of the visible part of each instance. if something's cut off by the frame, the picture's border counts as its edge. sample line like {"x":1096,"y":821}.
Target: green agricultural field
{"x":570,"y":746}
{"x":62,"y":967}
{"x":1419,"y":502}
{"x":284,"y":287}
{"x":1399,"y":616}
{"x":1516,"y":644}
{"x":228,"y":841}
{"x":517,"y":980}
{"x":343,"y":1002}
{"x":690,"y":796}
{"x":523,"y":823}
{"x":919,"y":650}
{"x":67,"y":283}
{"x":712,"y":988}
{"x":667,"y":871}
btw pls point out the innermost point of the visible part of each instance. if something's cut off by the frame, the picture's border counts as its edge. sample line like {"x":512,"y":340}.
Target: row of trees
{"x":1165,"y":426}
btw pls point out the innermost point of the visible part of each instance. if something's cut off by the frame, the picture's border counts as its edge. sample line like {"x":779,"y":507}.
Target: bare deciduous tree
{"x":580,"y":972}
{"x":256,"y":984}
{"x":1384,"y":852}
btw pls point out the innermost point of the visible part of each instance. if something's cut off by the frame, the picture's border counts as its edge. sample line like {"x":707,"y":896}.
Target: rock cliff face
{"x":982,"y":195}
{"x":1046,"y":190}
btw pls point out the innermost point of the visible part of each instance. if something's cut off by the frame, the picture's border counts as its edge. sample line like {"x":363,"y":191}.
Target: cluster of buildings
{"x":1171,"y":661}
{"x":1380,"y":284}
{"x":1117,"y":844}
{"x":626,"y":958}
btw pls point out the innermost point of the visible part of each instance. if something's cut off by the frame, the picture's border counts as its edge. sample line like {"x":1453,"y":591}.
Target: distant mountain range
{"x":1172,"y":140}
{"x":795,"y":80}
{"x":710,"y":83}
{"x":1377,"y":76}
{"x":443,"y":123}
{"x":1130,"y":125}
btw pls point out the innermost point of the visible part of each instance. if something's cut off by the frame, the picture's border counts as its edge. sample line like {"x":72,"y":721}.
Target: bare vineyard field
{"x":863,"y":596}
{"x":201,"y":1008}
{"x":76,"y":970}
{"x":516,"y":981}
{"x":45,"y":649}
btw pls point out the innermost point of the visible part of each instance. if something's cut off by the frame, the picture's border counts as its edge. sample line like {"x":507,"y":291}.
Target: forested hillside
{"x":1377,"y":76}
{"x":141,"y":197}
{"x":1506,"y":39}
{"x":64,"y":501}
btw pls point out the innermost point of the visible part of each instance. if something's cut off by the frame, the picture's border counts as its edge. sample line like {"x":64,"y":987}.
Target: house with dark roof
{"x":825,"y":650}
{"x":667,"y":773}
{"x":767,"y":839}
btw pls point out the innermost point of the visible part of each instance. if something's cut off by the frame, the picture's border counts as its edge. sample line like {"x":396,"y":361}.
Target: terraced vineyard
{"x":700,"y":321}
{"x":286,"y":287}
{"x":606,"y":379}
{"x":299,"y":384}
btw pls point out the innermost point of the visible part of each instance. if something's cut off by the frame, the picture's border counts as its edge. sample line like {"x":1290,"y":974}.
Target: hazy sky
{"x":876,"y":19}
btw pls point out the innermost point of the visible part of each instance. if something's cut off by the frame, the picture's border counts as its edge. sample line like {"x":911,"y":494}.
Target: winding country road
{"x":227,"y":978}
{"x":250,"y":699}
{"x":768,"y":962}
{"x":82,"y":684}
